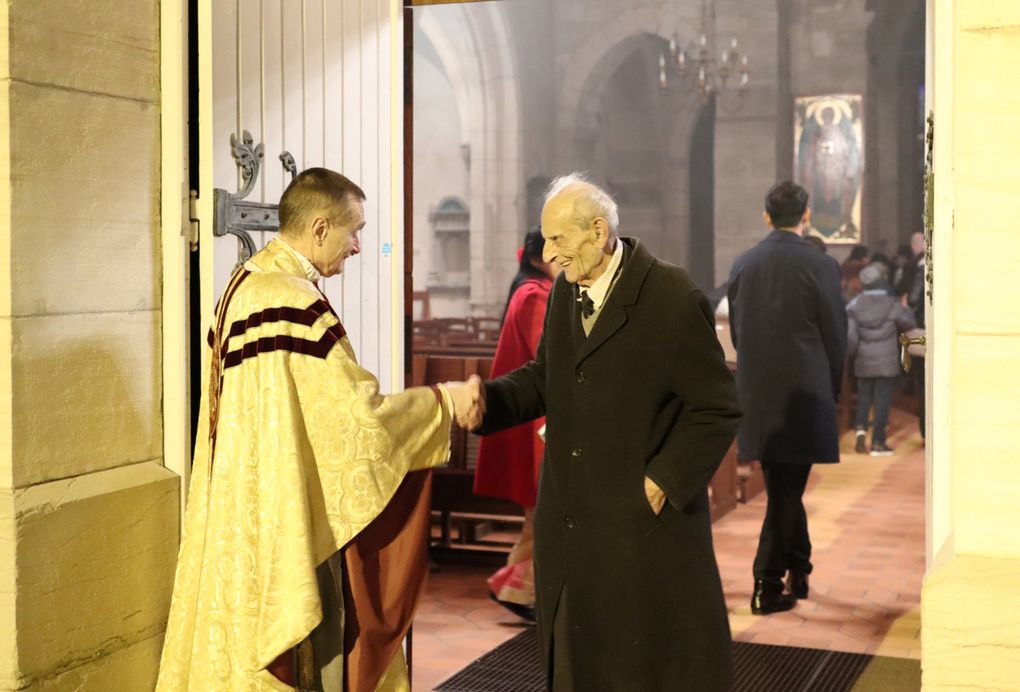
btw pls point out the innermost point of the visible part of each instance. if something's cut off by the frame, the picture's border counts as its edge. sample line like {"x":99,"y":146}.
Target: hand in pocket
{"x":656,"y":496}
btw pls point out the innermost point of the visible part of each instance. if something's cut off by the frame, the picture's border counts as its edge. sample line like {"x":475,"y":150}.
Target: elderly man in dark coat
{"x":788,"y":324}
{"x":640,"y":411}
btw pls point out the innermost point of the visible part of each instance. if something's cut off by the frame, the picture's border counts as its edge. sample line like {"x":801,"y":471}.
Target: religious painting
{"x":829,"y":163}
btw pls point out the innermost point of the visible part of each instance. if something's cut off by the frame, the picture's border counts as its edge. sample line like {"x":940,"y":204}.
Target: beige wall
{"x":971,"y":596}
{"x":88,"y":514}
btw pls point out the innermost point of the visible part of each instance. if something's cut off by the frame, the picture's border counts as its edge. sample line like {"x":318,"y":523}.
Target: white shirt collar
{"x":311,"y":273}
{"x":599,"y":290}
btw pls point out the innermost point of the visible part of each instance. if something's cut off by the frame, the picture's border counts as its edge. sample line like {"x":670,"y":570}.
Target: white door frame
{"x":940,"y":51}
{"x":175,"y":227}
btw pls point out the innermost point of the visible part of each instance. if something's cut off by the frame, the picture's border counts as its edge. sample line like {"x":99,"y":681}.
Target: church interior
{"x":132,"y":129}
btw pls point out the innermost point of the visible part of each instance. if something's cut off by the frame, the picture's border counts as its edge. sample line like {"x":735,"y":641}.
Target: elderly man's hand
{"x":656,"y":496}
{"x":468,"y":401}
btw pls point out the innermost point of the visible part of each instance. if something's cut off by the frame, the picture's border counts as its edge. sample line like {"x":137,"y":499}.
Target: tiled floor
{"x":866,"y":518}
{"x":456,"y":623}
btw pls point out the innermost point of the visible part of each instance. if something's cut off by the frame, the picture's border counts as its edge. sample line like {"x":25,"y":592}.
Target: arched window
{"x":451,"y":234}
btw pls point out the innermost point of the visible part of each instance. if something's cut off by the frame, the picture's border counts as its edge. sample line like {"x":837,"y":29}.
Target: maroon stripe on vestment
{"x":285,"y":342}
{"x":306,"y":317}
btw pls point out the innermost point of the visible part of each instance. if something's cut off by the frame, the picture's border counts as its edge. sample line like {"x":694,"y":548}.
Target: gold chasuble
{"x":297,"y":453}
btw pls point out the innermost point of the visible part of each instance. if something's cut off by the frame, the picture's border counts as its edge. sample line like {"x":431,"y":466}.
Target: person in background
{"x":850,"y":271}
{"x":884,"y":267}
{"x":508,"y":461}
{"x":876,"y":320}
{"x":911,"y":290}
{"x":887,"y":267}
{"x":901,"y":260}
{"x":788,"y":324}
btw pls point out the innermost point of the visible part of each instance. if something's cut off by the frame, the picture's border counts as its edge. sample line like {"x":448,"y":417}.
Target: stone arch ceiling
{"x":585,"y":67}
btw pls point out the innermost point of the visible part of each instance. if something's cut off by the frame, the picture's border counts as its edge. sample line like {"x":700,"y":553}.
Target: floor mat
{"x":515,"y":667}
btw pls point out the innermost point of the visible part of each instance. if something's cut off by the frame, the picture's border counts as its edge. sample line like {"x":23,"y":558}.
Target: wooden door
{"x":318,"y":79}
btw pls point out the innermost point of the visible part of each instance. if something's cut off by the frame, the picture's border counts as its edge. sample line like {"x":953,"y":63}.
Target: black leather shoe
{"x":797,"y":583}
{"x":768,"y":597}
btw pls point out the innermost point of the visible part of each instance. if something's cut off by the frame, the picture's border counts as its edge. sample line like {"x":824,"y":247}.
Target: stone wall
{"x":745,"y":134}
{"x":88,"y":514}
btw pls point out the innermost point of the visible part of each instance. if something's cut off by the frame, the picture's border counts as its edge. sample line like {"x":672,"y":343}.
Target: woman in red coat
{"x":508,"y":461}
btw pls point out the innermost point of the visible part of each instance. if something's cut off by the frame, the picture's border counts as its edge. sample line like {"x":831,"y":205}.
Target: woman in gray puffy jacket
{"x":876,"y":320}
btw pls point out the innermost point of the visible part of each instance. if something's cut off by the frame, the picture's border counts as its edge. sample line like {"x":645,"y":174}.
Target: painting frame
{"x":828,"y":161}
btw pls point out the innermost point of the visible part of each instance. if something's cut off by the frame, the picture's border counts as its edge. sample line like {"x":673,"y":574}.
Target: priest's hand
{"x":476,"y":387}
{"x":656,"y":496}
{"x":468,"y":401}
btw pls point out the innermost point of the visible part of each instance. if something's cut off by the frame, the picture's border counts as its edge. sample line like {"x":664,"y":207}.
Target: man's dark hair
{"x":317,"y":191}
{"x":786,"y":204}
{"x":532,"y":250}
{"x":858,"y":253}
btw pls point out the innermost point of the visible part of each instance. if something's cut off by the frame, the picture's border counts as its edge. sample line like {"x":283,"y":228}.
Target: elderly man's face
{"x":578,"y":252}
{"x":339,"y":241}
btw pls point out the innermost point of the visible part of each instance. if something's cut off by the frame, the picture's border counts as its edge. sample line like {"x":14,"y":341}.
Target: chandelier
{"x":713,"y":73}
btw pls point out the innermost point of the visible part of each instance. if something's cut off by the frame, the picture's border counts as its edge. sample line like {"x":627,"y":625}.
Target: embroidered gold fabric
{"x":307,"y":453}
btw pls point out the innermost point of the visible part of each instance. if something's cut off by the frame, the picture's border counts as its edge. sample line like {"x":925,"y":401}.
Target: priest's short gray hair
{"x":590,"y":200}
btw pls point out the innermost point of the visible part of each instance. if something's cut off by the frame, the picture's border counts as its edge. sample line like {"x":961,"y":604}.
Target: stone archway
{"x":599,"y":40}
{"x":634,"y":138}
{"x":896,"y":122}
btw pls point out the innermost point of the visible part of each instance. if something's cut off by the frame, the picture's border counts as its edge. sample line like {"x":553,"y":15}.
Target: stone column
{"x":88,"y":514}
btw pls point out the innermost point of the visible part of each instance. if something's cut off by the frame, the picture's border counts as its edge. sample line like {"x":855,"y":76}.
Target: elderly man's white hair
{"x":590,"y":200}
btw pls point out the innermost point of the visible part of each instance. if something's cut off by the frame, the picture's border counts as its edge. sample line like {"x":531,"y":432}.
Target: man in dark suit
{"x":788,"y":324}
{"x":640,"y":411}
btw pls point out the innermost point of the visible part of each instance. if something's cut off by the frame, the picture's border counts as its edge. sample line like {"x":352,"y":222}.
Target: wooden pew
{"x":453,"y":497}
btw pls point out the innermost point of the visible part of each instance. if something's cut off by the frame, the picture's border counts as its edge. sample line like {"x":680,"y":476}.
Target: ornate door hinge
{"x":237,"y":216}
{"x":193,"y":221}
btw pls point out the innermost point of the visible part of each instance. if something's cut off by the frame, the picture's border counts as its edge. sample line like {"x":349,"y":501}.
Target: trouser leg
{"x":784,"y":542}
{"x":774,"y":541}
{"x":883,"y":401}
{"x":799,"y":557}
{"x":865,"y":393}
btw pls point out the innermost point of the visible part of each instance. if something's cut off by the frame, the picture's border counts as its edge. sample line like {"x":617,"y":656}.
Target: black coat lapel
{"x":637,"y":262}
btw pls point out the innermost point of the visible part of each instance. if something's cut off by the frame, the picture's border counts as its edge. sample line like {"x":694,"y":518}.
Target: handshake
{"x":468,"y":402}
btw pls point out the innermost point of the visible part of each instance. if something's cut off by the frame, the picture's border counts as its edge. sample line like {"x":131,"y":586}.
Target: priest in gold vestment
{"x":303,"y":550}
